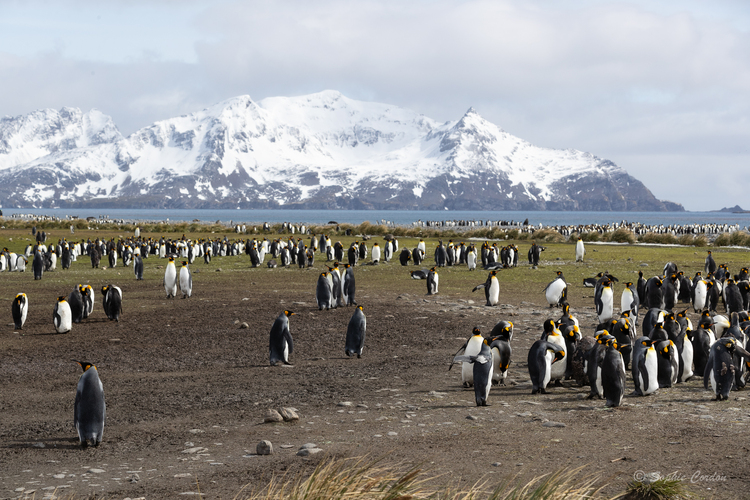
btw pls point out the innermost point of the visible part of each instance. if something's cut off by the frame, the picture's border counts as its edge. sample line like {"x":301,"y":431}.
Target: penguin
{"x":542,"y":356}
{"x":482,"y":372}
{"x":534,"y":254}
{"x":732,"y":297}
{"x":323,"y":292}
{"x":37,"y":264}
{"x":621,"y":331}
{"x":75,"y":300}
{"x":112,"y":255}
{"x":700,"y":295}
{"x":556,"y":291}
{"x":501,"y":354}
{"x":580,"y":250}
{"x":335,"y":276}
{"x":593,"y":364}
{"x":138,"y":267}
{"x":471,"y":259}
{"x":19,"y":309}
{"x":404,"y":257}
{"x":491,"y":289}
{"x":355,"y":333}
{"x":417,"y":256}
{"x":654,"y":293}
{"x":280,"y":344}
{"x":709,"y":266}
{"x":702,"y":340}
{"x":629,"y":300}
{"x":471,"y":347}
{"x":21,"y":262}
{"x":572,"y":336}
{"x":87,"y":296}
{"x":502,"y":330}
{"x":186,"y":281}
{"x":432,"y":282}
{"x":348,"y":285}
{"x":89,"y":410}
{"x":668,"y":362}
{"x":590,"y":282}
{"x":553,"y":335}
{"x":613,"y":375}
{"x":62,"y":317}
{"x":645,"y":367}
{"x":669,"y":269}
{"x":603,"y":299}
{"x":419,"y":275}
{"x":375,"y":254}
{"x":720,"y":369}
{"x":112,"y":302}
{"x":567,"y":318}
{"x":170,"y":279}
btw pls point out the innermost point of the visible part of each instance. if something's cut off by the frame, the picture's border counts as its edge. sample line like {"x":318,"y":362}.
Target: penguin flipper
{"x":463,"y":348}
{"x":289,"y":341}
{"x":483,"y":285}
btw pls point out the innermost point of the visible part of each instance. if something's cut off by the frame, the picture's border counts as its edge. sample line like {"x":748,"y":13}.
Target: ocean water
{"x":395,"y":217}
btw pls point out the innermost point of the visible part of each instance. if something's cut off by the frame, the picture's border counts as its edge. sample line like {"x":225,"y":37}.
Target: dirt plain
{"x":187,"y":389}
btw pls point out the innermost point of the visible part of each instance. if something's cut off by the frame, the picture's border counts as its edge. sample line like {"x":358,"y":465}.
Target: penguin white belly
{"x":471,"y":261}
{"x":286,"y":351}
{"x":607,"y":308}
{"x":437,"y":279}
{"x":467,"y":373}
{"x":687,"y":359}
{"x":579,"y":251}
{"x":496,"y":375}
{"x":554,"y":291}
{"x":626,"y":300}
{"x":473,"y":348}
{"x":712,"y":379}
{"x":494,"y":297}
{"x":652,"y":368}
{"x":548,"y":357}
{"x":489,"y":383}
{"x":557,"y":370}
{"x":599,"y":388}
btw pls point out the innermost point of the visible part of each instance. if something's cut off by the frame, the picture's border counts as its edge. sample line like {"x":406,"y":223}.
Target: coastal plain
{"x":187,"y":387}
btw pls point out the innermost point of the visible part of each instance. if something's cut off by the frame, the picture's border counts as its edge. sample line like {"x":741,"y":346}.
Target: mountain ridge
{"x":321,"y":150}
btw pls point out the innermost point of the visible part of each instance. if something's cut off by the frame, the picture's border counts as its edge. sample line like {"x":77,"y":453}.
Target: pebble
{"x":553,"y":424}
{"x":306,"y":452}
{"x":196,"y":449}
{"x":96,"y":471}
{"x":286,"y":446}
{"x":244,"y":326}
{"x":273,"y":416}
{"x":59,"y":476}
{"x":184,"y":474}
{"x":196,"y":431}
{"x":264,"y":448}
{"x":345,"y":403}
{"x":393,"y":433}
{"x":288,"y":414}
{"x":308,"y":446}
{"x":39,"y":445}
{"x":471,"y":417}
{"x":497,"y":464}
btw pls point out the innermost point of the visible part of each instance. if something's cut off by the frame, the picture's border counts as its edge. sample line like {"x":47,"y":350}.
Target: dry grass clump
{"x":661,"y":489}
{"x":736,"y":239}
{"x":665,"y":239}
{"x":621,"y":235}
{"x":363,"y":479}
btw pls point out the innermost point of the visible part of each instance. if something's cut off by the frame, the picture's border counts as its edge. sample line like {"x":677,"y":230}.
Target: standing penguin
{"x":186,"y":281}
{"x":75,"y":300}
{"x":482,"y":368}
{"x":491,"y":289}
{"x":89,"y":411}
{"x":37,"y":264}
{"x":170,"y":279}
{"x":281,"y":344}
{"x":613,"y":375}
{"x":580,"y":250}
{"x":355,"y":333}
{"x":375,"y":254}
{"x":472,"y":347}
{"x":709,"y":265}
{"x":501,"y":353}
{"x":112,"y":302}
{"x":556,"y":292}
{"x":87,"y":294}
{"x":348,"y":285}
{"x":603,"y":299}
{"x":553,"y":335}
{"x":323,"y":292}
{"x":471,"y":258}
{"x":668,"y":362}
{"x":62,"y":318}
{"x":432,"y":282}
{"x":720,"y":369}
{"x":138,"y":267}
{"x":541,"y":357}
{"x":19,"y":310}
{"x":629,"y":300}
{"x":645,"y":367}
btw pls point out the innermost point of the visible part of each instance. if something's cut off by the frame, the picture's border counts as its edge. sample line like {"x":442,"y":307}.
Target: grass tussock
{"x":735,"y":239}
{"x":661,"y":489}
{"x":621,"y":235}
{"x":664,"y":239}
{"x":363,"y":479}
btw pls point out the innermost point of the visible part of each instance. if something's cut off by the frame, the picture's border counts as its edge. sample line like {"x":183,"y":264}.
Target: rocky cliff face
{"x":318,"y":151}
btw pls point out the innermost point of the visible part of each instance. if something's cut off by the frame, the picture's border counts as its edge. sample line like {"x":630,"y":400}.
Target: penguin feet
{"x":543,"y":391}
{"x":558,"y":383}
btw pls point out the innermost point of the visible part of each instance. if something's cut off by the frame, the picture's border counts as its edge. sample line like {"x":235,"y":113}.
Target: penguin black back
{"x":90,"y":410}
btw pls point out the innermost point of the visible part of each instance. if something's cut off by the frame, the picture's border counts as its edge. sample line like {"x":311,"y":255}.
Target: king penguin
{"x":19,"y":310}
{"x":720,"y":370}
{"x":556,"y":290}
{"x":62,"y":318}
{"x":472,"y":347}
{"x":603,"y":300}
{"x":645,"y":367}
{"x":432,"y":282}
{"x":482,"y":368}
{"x":542,"y":355}
{"x":355,"y":333}
{"x":553,"y":335}
{"x":375,"y":254}
{"x":112,"y":302}
{"x":323,"y":292}
{"x":138,"y":267}
{"x":75,"y":300}
{"x":280,"y":343}
{"x":349,"y":285}
{"x":613,"y":375}
{"x":89,"y":411}
{"x":501,"y":354}
{"x":580,"y":250}
{"x":170,"y":279}
{"x":471,"y":259}
{"x":186,"y":281}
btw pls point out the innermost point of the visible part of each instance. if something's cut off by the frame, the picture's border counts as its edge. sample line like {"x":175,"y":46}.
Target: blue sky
{"x":660,"y":88}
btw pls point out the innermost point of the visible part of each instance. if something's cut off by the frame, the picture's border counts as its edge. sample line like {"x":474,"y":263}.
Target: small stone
{"x":39,"y":445}
{"x":218,"y":270}
{"x":134,"y":478}
{"x":236,"y":322}
{"x":264,"y":448}
{"x":196,"y":431}
{"x":393,"y":433}
{"x":96,"y":471}
{"x":184,"y":474}
{"x":497,"y":464}
{"x":273,"y":416}
{"x":288,"y":414}
{"x":471,"y":417}
{"x":308,"y":446}
{"x":345,"y":403}
{"x":553,"y":424}
{"x":197,"y":449}
{"x":306,"y":452}
{"x":286,"y":446}
{"x":59,"y":476}
{"x":244,"y":326}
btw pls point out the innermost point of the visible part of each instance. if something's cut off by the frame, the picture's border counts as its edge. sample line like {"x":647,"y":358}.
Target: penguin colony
{"x":669,"y":351}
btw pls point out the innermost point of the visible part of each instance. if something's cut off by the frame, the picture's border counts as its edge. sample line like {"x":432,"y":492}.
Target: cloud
{"x":661,"y":89}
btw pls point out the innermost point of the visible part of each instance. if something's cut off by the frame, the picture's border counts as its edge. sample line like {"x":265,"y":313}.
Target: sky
{"x":662,"y":88}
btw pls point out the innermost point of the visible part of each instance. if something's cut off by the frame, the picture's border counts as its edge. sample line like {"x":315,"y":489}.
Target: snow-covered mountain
{"x":317,"y":151}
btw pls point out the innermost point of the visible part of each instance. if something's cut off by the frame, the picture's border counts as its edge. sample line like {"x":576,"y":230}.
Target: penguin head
{"x":85,"y":365}
{"x":628,"y":284}
{"x":104,"y":289}
{"x":20,"y":297}
{"x":601,"y":336}
{"x":288,"y":313}
{"x":647,"y":342}
{"x":476,"y":331}
{"x":559,"y":354}
{"x":61,"y":299}
{"x":549,"y":326}
{"x":171,"y":259}
{"x":360,"y":308}
{"x":184,"y":263}
{"x":575,"y":332}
